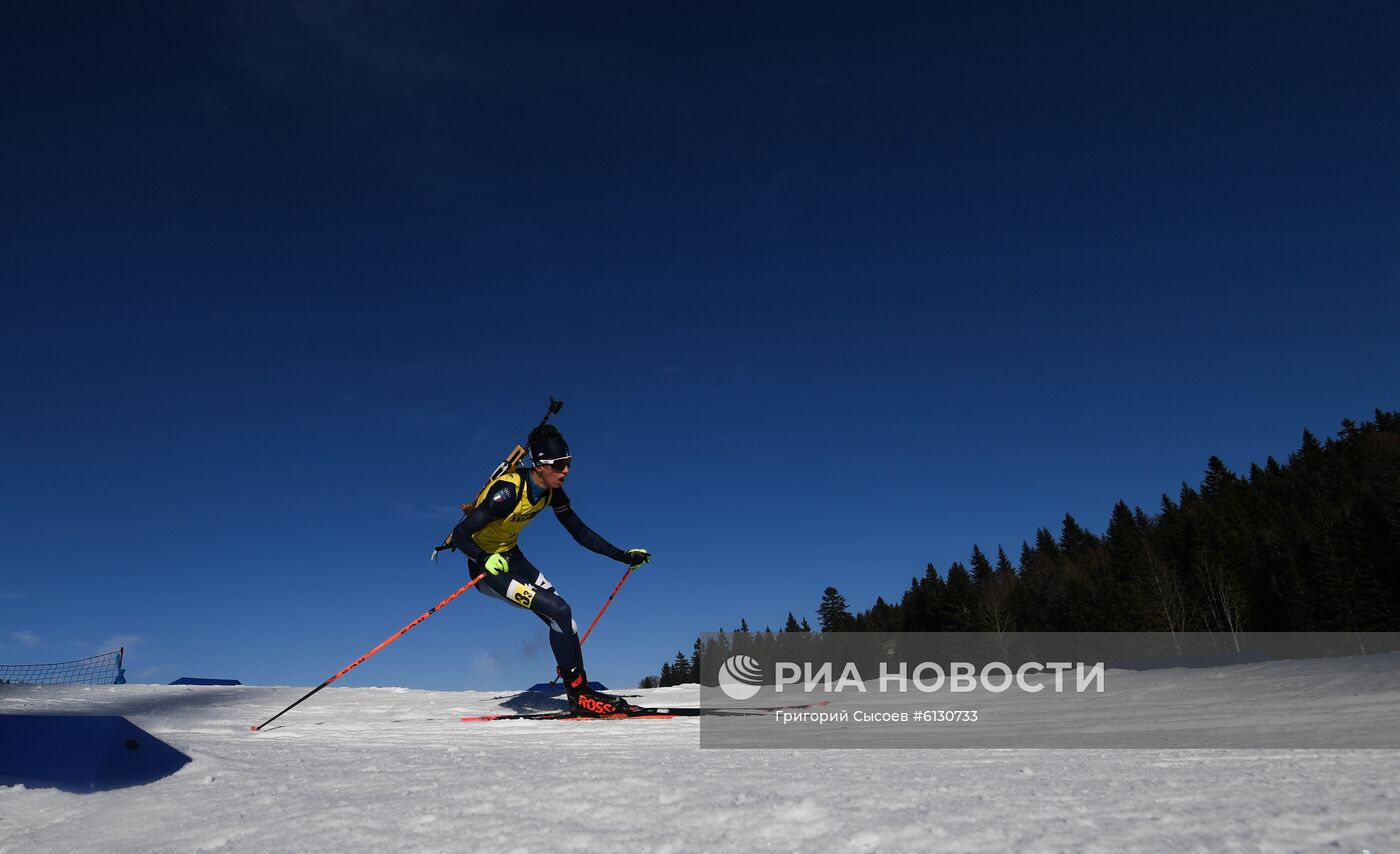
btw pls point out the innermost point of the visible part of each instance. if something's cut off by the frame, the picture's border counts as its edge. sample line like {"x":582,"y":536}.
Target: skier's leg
{"x":526,"y":587}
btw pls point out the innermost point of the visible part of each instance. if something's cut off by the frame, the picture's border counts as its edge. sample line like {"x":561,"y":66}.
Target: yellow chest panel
{"x":502,"y":534}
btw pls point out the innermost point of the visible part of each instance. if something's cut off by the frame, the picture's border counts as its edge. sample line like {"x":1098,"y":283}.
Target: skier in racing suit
{"x":489,"y":537}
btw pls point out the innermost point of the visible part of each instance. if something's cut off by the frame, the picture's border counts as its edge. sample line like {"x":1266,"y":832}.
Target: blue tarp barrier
{"x":199,"y":680}
{"x":558,"y":688}
{"x":82,"y":753}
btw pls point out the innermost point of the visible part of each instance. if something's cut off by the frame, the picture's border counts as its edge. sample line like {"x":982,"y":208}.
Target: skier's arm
{"x":582,"y":534}
{"x":497,"y":505}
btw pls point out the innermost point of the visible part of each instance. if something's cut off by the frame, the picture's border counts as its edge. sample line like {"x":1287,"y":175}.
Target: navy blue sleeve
{"x":497,"y":504}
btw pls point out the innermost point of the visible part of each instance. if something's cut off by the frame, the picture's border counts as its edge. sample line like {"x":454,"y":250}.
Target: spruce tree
{"x":960,"y":603}
{"x":833,"y":615}
{"x":981,"y":567}
{"x":680,"y":670}
{"x":1129,"y":581}
{"x":742,"y":639}
{"x":1074,"y":540}
{"x":932,"y":592}
{"x":996,"y":612}
{"x":1218,"y":478}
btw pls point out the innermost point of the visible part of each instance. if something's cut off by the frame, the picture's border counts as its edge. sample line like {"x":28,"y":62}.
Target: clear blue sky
{"x":829,"y":295}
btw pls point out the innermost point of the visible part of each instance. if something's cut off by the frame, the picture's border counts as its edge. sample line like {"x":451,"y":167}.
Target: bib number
{"x":521,"y":594}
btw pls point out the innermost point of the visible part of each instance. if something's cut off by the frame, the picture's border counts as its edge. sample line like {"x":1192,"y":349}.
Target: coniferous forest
{"x":1312,"y":544}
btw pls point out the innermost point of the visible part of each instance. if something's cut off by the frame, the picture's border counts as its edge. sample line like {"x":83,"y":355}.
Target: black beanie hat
{"x":547,"y":443}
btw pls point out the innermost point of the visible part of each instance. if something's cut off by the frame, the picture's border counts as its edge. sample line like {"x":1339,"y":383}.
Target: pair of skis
{"x":640,"y":712}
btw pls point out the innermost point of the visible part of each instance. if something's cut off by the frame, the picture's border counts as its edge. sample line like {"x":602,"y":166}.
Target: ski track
{"x":394,"y":769}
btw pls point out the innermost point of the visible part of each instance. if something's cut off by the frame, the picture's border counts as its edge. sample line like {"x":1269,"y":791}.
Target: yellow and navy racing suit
{"x":503,"y":509}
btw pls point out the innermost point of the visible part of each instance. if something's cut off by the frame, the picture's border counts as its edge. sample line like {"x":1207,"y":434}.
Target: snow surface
{"x":358,"y":769}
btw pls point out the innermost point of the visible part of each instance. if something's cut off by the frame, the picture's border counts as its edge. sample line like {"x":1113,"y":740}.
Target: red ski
{"x":640,"y":712}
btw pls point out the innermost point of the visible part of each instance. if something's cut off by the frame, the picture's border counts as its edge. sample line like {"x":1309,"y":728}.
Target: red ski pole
{"x":362,"y":659}
{"x":606,"y":604}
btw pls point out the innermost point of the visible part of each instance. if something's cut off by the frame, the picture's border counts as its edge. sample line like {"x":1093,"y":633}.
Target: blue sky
{"x":830,"y":294}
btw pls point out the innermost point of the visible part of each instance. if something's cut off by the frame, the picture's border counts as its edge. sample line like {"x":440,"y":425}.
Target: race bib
{"x":521,"y":594}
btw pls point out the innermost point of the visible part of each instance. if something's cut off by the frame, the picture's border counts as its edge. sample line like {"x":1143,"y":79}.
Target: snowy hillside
{"x":361,"y":769}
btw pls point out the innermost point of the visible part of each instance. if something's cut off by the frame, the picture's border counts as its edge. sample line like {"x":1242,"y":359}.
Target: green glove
{"x":637,"y":557}
{"x":497,"y":564}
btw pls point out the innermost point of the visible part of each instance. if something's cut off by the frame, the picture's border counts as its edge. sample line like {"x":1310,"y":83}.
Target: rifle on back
{"x":507,"y":465}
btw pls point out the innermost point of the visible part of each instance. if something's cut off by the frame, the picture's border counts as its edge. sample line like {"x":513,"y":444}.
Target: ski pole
{"x":361,"y":660}
{"x":605,"y":605}
{"x":600,"y":613}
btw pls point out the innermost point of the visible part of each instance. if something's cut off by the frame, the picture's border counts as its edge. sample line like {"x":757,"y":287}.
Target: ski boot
{"x":587,"y":703}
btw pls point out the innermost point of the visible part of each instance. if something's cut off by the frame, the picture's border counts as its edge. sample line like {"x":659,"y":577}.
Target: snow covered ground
{"x":375,"y":769}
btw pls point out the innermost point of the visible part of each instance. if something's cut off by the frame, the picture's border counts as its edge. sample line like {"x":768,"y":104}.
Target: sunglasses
{"x":558,"y":463}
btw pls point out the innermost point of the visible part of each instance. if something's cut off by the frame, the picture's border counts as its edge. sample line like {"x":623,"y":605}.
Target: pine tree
{"x":715,"y":651}
{"x":680,"y":670}
{"x":1074,"y":540}
{"x":1130,"y":590}
{"x":1309,"y":452}
{"x":1218,"y":478}
{"x":742,"y":640}
{"x":1038,"y":591}
{"x":882,"y":618}
{"x":833,"y":614}
{"x":981,"y":567}
{"x":995,"y":604}
{"x":1080,"y":582}
{"x":1027,"y":557}
{"x":1188,"y":497}
{"x":960,"y":603}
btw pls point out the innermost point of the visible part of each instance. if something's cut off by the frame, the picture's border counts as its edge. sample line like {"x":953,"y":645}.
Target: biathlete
{"x":489,"y":537}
